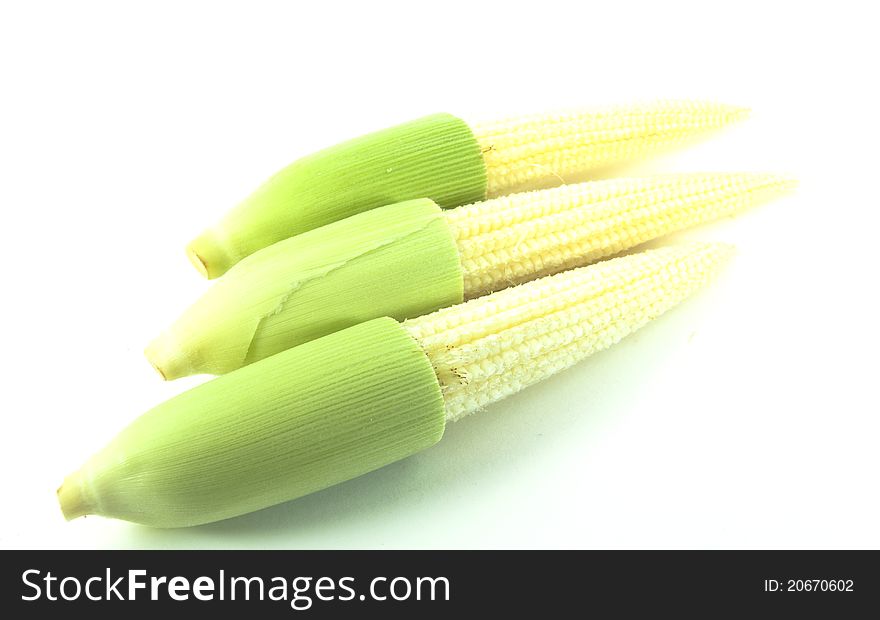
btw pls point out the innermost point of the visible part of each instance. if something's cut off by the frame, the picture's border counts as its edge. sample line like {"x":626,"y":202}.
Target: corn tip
{"x":727,"y":112}
{"x":725,"y":251}
{"x":771,"y":185}
{"x":737,"y":112}
{"x":787,"y":182}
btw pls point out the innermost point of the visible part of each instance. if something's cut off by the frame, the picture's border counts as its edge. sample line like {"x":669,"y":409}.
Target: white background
{"x":747,"y":418}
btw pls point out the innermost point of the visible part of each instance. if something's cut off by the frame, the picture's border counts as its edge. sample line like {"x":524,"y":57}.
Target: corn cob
{"x":520,"y":237}
{"x":409,"y":259}
{"x":443,"y":158}
{"x":361,"y":398}
{"x":494,"y":346}
{"x":540,"y":150}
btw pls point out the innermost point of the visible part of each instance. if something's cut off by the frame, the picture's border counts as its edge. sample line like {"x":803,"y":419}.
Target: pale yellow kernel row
{"x":491,"y":347}
{"x":542,"y":150}
{"x":517,"y":238}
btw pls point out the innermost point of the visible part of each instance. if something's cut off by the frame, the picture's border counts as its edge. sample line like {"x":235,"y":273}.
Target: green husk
{"x":399,"y":261}
{"x":436,"y":157}
{"x":300,"y":421}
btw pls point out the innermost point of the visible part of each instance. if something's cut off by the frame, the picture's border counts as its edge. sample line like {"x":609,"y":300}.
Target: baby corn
{"x":409,"y":259}
{"x":520,"y":237}
{"x":358,"y":399}
{"x":539,"y":150}
{"x":494,"y":346}
{"x":443,"y":158}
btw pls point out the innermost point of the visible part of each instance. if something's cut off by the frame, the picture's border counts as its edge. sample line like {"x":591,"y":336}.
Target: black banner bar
{"x":403,"y":583}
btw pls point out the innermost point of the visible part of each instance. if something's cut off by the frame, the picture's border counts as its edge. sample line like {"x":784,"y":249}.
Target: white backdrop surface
{"x":746,"y":418}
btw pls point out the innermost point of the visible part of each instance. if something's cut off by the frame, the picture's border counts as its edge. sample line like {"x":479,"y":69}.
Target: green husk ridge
{"x":434,"y":157}
{"x":300,"y":421}
{"x":399,"y":261}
